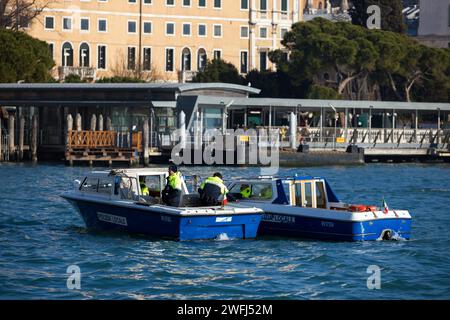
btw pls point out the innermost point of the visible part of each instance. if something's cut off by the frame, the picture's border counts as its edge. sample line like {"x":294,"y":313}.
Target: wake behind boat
{"x":307,"y":207}
{"x":113,"y":200}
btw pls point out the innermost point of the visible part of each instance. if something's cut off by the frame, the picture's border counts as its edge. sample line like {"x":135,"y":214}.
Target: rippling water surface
{"x":41,"y":235}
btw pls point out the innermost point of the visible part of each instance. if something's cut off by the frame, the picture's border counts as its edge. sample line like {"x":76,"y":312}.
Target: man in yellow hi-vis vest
{"x":212,"y":191}
{"x":171,"y":194}
{"x":245,"y":191}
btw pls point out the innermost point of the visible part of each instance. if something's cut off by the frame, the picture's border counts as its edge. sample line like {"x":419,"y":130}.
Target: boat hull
{"x":145,"y":221}
{"x":286,"y":225}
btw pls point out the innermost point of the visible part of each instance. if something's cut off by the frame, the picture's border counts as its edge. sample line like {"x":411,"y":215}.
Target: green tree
{"x":218,"y":70}
{"x":363,"y":61}
{"x":391,"y":14}
{"x":23,"y":58}
{"x":275,"y":84}
{"x":322,"y":45}
{"x":74,"y":78}
{"x":321,"y":92}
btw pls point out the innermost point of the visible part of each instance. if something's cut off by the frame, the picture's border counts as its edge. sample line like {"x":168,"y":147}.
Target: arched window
{"x":201,"y":59}
{"x":186,"y":60}
{"x":67,"y":55}
{"x":84,"y":55}
{"x":320,"y":5}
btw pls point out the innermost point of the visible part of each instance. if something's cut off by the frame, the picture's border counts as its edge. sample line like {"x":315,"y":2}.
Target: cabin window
{"x":308,"y":195}
{"x":261,"y":191}
{"x":153,"y":184}
{"x":89,"y":185}
{"x":320,"y":195}
{"x":128,"y":188}
{"x":104,"y":186}
{"x":298,"y":195}
{"x":286,"y":188}
{"x":256,"y":191}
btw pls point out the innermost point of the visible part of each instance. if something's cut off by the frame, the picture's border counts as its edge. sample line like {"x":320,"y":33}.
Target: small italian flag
{"x":385,"y":206}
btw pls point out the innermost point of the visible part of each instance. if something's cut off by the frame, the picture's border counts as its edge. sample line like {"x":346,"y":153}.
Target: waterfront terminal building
{"x":133,"y":122}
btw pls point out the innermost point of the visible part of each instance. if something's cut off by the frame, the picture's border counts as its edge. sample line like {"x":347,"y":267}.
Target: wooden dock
{"x":92,"y":147}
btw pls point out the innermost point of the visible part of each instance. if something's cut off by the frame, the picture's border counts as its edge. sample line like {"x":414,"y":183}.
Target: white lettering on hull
{"x":106,"y":217}
{"x":278,"y":218}
{"x":224,"y":219}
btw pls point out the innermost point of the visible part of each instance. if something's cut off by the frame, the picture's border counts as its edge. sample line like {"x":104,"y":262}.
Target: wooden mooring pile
{"x":27,"y":142}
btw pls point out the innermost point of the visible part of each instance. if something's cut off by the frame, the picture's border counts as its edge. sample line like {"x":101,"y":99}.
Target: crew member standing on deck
{"x":144,"y":188}
{"x":213,"y":191}
{"x":171,"y":194}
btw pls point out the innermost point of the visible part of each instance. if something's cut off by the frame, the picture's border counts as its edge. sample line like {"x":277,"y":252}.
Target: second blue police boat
{"x":307,"y":207}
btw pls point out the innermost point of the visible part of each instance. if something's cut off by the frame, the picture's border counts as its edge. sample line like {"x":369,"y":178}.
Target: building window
{"x":263,"y":5}
{"x":147,"y":27}
{"x":244,"y":62}
{"x":131,"y":64}
{"x":170,"y":2}
{"x":186,"y":3}
{"x":67,"y":23}
{"x":263,"y":61}
{"x":217,"y":30}
{"x":186,"y":60}
{"x":244,"y":4}
{"x":263,"y":32}
{"x":84,"y":55}
{"x":84,"y":24}
{"x":67,"y":55}
{"x":131,"y":26}
{"x":101,"y":54}
{"x":49,"y":23}
{"x":283,"y":32}
{"x":132,"y":1}
{"x":201,"y":59}
{"x":169,"y":60}
{"x":202,"y":3}
{"x":147,"y":1}
{"x":244,"y":32}
{"x":102,"y":25}
{"x":284,"y":6}
{"x":147,"y":59}
{"x":217,"y":4}
{"x":186,"y":29}
{"x":217,"y":54}
{"x":202,"y":30}
{"x":170,"y":28}
{"x":51,"y":48}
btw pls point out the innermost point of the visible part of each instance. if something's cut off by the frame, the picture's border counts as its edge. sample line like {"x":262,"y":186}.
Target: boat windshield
{"x":96,"y":184}
{"x":254,"y":191}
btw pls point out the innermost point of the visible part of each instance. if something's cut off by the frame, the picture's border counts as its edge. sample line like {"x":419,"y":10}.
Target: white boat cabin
{"x":125,"y":184}
{"x":308,"y":192}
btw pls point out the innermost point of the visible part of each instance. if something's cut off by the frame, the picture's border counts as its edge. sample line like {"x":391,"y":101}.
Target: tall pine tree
{"x":391,"y":14}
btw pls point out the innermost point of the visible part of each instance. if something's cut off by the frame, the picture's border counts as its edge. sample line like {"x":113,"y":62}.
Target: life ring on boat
{"x":361,"y":208}
{"x":357,"y":208}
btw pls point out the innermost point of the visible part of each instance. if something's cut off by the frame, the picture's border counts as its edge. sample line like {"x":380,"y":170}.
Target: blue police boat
{"x":113,"y":200}
{"x":307,"y":207}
